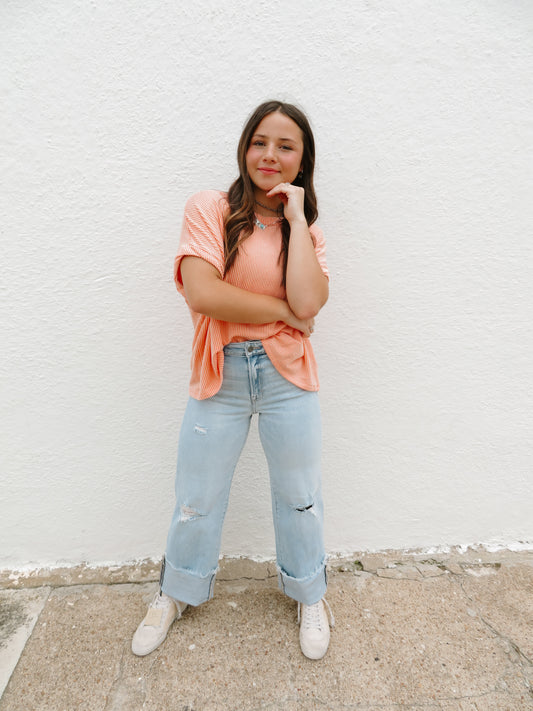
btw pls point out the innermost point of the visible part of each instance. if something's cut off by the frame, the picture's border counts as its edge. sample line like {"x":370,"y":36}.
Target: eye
{"x":257,"y":142}
{"x":287,"y":148}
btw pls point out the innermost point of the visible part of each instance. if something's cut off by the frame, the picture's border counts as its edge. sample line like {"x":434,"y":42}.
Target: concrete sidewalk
{"x":454,"y":633}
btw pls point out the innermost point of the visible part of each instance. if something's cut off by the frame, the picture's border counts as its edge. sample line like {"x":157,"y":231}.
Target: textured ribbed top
{"x":256,"y":268}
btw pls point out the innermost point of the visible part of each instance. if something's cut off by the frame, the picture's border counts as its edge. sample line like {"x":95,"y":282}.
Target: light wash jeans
{"x":212,"y":437}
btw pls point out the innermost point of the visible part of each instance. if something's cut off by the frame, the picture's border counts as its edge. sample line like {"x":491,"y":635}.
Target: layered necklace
{"x":276,"y":210}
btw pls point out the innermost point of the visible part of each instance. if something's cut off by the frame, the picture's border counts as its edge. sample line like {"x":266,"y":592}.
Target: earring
{"x":300,"y":174}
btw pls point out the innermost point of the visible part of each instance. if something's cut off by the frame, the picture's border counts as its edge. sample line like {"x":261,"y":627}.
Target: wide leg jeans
{"x":212,"y":437}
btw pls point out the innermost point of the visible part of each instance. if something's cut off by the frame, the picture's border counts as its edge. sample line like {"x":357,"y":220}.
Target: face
{"x":275,"y":153}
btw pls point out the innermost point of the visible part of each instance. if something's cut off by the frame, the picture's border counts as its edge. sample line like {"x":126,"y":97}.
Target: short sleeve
{"x":202,"y":233}
{"x":320,"y":247}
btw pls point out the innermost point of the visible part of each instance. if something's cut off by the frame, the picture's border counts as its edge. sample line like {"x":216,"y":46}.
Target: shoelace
{"x":311,"y":618}
{"x":160,"y":602}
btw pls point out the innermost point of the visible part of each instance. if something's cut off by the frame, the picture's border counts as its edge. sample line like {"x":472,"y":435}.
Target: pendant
{"x":259,"y":224}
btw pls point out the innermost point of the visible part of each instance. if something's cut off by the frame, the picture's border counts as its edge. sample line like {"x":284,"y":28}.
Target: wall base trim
{"x":147,"y":570}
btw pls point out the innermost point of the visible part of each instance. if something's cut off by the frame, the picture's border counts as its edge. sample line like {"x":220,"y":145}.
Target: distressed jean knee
{"x":310,"y":508}
{"x":188,"y":513}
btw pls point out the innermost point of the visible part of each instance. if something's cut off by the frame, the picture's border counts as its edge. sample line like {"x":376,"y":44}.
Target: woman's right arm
{"x":208,"y":294}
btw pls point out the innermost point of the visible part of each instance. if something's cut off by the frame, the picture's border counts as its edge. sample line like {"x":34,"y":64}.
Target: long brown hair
{"x":239,"y":223}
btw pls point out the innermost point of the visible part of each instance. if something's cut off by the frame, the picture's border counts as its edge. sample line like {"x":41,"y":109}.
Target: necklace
{"x":276,"y":210}
{"x":262,"y":226}
{"x":271,"y":209}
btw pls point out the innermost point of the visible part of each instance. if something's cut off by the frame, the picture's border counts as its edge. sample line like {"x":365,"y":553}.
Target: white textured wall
{"x":114,"y":113}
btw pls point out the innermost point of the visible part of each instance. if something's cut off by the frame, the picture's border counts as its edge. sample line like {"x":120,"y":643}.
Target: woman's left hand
{"x":292,"y":197}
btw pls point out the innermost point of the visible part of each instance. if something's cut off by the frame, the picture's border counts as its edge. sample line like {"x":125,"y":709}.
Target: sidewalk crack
{"x":125,"y":692}
{"x":513,"y":651}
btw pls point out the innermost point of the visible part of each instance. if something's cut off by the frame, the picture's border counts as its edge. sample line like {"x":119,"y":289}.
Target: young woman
{"x":251,"y":266}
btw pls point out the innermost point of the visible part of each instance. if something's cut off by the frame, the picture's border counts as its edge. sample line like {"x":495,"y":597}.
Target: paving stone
{"x":142,"y":571}
{"x":372,"y":562}
{"x":391,"y":573}
{"x":411,"y":572}
{"x":243,"y":568}
{"x":430,"y":570}
{"x":18,"y":614}
{"x":454,"y":568}
{"x":400,"y":572}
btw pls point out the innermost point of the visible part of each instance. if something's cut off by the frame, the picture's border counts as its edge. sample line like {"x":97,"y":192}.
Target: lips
{"x":267,"y":171}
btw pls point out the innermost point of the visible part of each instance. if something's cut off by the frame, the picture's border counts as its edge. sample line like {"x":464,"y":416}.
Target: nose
{"x":269,"y":152}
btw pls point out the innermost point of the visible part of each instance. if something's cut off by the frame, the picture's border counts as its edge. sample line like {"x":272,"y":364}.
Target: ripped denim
{"x":212,"y":437}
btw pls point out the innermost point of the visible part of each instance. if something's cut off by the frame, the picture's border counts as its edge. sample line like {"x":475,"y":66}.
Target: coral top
{"x":256,"y":269}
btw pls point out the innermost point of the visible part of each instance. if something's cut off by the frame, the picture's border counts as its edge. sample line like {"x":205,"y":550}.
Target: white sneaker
{"x":153,"y":629}
{"x":314,"y":628}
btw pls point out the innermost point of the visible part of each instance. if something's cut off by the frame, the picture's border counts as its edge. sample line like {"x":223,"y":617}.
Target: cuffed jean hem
{"x":306,"y":590}
{"x":185,"y":586}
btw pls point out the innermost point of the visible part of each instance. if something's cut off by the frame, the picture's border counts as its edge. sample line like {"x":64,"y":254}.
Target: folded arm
{"x":208,"y":294}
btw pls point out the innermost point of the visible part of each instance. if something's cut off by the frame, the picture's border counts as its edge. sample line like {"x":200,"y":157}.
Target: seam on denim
{"x":281,"y":581}
{"x":162,"y":572}
{"x":279,"y":539}
{"x":212,"y":586}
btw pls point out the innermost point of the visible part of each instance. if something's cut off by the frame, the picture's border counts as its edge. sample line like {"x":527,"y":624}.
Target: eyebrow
{"x":263,"y":135}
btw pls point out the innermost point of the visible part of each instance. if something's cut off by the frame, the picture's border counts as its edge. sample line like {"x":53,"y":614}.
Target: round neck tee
{"x":257,"y":269}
